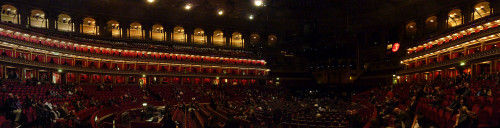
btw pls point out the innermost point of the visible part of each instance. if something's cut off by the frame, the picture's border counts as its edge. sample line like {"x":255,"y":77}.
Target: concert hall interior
{"x":249,"y":63}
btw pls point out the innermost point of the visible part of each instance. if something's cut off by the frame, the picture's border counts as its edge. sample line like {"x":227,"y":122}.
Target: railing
{"x":456,"y":29}
{"x":124,"y":43}
{"x":102,"y":56}
{"x":455,"y":42}
{"x":470,"y":57}
{"x":27,"y":63}
{"x":97,"y":116}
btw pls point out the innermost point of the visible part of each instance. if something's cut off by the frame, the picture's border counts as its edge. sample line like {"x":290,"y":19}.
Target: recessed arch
{"x":114,"y":27}
{"x":64,"y":23}
{"x":37,"y":19}
{"x":254,"y":39}
{"x":199,"y":36}
{"x":157,"y":33}
{"x":178,"y":35}
{"x":237,"y":40}
{"x":9,"y":14}
{"x":411,"y":28}
{"x":218,"y":38}
{"x":455,"y":18}
{"x":272,"y":40}
{"x":88,"y":26}
{"x":481,"y":10}
{"x":431,"y":24}
{"x":135,"y":31}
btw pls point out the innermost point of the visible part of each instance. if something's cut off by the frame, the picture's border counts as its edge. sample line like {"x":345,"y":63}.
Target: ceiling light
{"x":431,"y":21}
{"x":250,"y":17}
{"x":151,"y":1}
{"x":258,"y":2}
{"x":220,"y":12}
{"x":188,"y":6}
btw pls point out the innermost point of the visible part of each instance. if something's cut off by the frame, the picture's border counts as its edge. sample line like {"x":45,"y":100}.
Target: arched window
{"x":411,"y":28}
{"x":481,"y":10}
{"x":135,"y":31}
{"x":431,"y":24}
{"x":9,"y":14}
{"x":88,"y":26}
{"x":254,"y":39}
{"x":199,"y":36}
{"x":218,"y":38}
{"x":37,"y":19}
{"x":157,"y":33}
{"x":114,"y":27}
{"x":272,"y":40}
{"x":64,"y":23}
{"x":237,"y":40}
{"x":178,"y":35}
{"x":455,"y":18}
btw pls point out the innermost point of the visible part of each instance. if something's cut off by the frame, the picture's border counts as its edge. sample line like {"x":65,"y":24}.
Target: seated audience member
{"x":456,"y":104}
{"x":402,"y":118}
{"x":4,"y":89}
{"x":463,"y":118}
{"x":13,"y":106}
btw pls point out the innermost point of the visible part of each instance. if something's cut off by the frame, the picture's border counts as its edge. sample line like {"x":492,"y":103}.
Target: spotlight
{"x":220,"y":12}
{"x":188,"y":6}
{"x":258,"y":2}
{"x":151,"y":1}
{"x":250,"y":17}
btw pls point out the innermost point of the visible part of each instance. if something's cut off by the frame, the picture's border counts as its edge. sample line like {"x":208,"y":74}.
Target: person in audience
{"x":4,"y":89}
{"x":463,"y":118}
{"x":456,"y":104}
{"x":482,"y":92}
{"x":14,"y":109}
{"x":354,"y":119}
{"x":402,"y":118}
{"x":168,"y":122}
{"x":232,"y":122}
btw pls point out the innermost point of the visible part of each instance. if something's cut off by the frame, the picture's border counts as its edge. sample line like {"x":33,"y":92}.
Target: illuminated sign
{"x":395,"y":47}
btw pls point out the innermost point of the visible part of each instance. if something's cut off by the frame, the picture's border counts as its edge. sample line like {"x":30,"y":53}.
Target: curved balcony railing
{"x":110,"y":57}
{"x":456,"y":29}
{"x":455,"y":42}
{"x":49,"y":66}
{"x":467,"y":58}
{"x":131,"y":44}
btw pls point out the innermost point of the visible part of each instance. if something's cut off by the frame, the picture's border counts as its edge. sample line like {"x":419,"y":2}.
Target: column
{"x":146,"y":29}
{"x":78,"y":75}
{"x":209,"y":33}
{"x":51,"y":19}
{"x":189,"y":31}
{"x":77,"y":21}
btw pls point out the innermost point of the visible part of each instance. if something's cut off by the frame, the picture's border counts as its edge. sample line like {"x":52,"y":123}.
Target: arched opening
{"x":254,"y":39}
{"x":9,"y":14}
{"x":135,"y":31}
{"x":178,"y":35}
{"x":199,"y":36}
{"x":237,"y":40}
{"x":218,"y":38}
{"x":157,"y":33}
{"x":272,"y":40}
{"x":37,"y":19}
{"x":114,"y":27}
{"x":431,"y":24}
{"x":482,"y":10}
{"x":64,"y":23}
{"x":455,"y":18}
{"x":88,"y":26}
{"x":411,"y":29}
